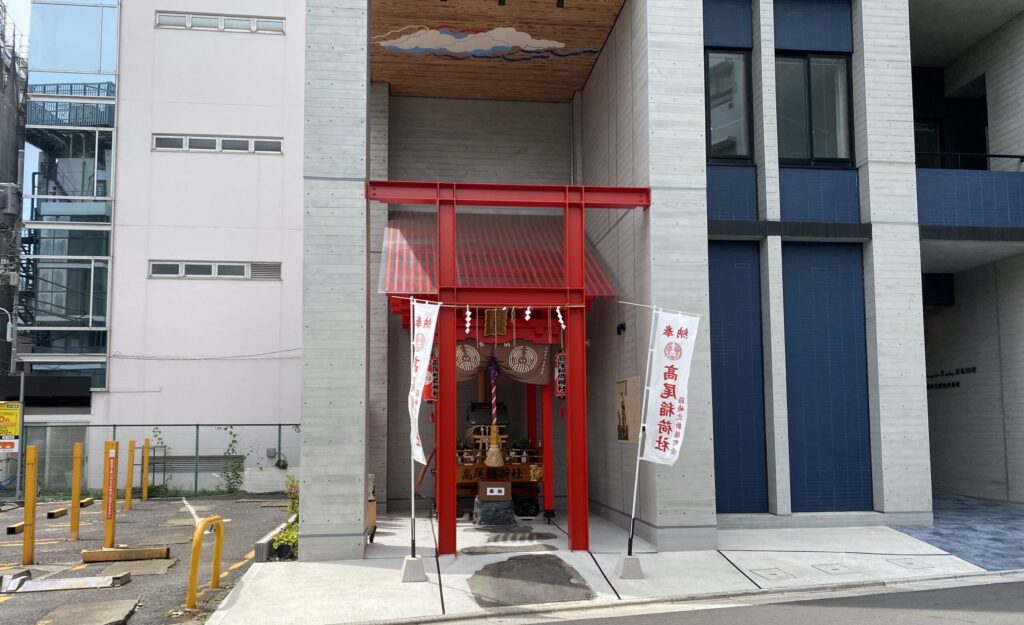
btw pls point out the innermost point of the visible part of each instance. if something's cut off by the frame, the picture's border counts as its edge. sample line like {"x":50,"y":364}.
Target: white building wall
{"x":998,"y":59}
{"x":169,"y":337}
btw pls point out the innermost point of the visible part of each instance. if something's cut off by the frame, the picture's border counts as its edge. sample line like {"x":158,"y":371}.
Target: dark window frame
{"x":729,"y":160}
{"x":813,"y":162}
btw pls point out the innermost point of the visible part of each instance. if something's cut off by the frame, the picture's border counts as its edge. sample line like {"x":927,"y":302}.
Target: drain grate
{"x":520,"y":537}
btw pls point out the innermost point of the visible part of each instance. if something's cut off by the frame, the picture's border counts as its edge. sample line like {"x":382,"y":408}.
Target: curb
{"x":579,"y":606}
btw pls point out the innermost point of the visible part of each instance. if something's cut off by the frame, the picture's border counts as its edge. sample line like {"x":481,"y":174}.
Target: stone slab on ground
{"x":140,"y":567}
{"x":492,"y":549}
{"x":328,"y":592}
{"x":97,"y":613}
{"x":528,"y":580}
{"x":677,"y":573}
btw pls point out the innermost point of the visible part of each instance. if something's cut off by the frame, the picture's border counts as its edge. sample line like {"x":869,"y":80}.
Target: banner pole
{"x":412,"y":452}
{"x":643,"y":429}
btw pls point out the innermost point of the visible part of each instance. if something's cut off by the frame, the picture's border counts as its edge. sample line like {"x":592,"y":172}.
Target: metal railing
{"x":184,"y":459}
{"x":962,"y":160}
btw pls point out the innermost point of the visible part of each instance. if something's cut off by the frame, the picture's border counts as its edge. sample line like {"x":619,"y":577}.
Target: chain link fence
{"x":183,"y":459}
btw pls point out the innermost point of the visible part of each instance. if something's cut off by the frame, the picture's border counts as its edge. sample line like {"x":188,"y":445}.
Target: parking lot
{"x":160,"y":595}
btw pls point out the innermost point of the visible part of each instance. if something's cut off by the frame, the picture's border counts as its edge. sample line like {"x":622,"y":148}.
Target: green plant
{"x":292,"y":489}
{"x":234,"y":467}
{"x":281,"y":462}
{"x":288,"y":536}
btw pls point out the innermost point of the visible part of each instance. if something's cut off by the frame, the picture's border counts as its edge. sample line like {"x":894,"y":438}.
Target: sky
{"x":19,"y":11}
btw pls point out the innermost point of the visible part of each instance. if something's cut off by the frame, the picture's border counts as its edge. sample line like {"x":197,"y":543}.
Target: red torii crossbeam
{"x":573,"y":200}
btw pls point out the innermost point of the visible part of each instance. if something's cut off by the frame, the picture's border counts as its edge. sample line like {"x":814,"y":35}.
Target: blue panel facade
{"x":732,"y":192}
{"x":728,"y":24}
{"x":737,"y":385}
{"x":820,"y":195}
{"x":826,"y":374}
{"x":814,"y":25}
{"x":952,"y":197}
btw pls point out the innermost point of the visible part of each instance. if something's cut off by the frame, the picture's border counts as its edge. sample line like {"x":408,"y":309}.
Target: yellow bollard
{"x":197,"y":551}
{"x":130,"y":466}
{"x":76,"y":489}
{"x":109,"y":492}
{"x":145,"y":469}
{"x":28,"y":545}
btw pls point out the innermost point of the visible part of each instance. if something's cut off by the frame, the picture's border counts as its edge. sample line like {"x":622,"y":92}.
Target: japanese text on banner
{"x":667,"y":406}
{"x":424,"y":321}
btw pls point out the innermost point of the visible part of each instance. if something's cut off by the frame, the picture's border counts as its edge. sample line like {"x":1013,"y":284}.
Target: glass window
{"x":68,"y":162}
{"x":63,"y":342}
{"x":829,"y":98}
{"x":813,"y":108}
{"x":73,"y":38}
{"x":63,"y":292}
{"x":168,"y":20}
{"x":265,"y":145}
{"x":270,"y":26}
{"x":238,"y":23}
{"x":234,"y":145}
{"x":206,"y":21}
{"x":231,"y":271}
{"x":47,"y":113}
{"x":168,"y":143}
{"x":95,"y":371}
{"x":791,"y":89}
{"x":728,"y":105}
{"x":66,"y":210}
{"x":84,"y":85}
{"x":202,"y":143}
{"x":165,"y":269}
{"x":65,"y":242}
{"x":198,"y":269}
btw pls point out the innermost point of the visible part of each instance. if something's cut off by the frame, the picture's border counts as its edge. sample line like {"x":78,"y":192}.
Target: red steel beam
{"x":446,"y":490}
{"x":513,"y":195}
{"x":576,"y":379}
{"x":547,"y":447}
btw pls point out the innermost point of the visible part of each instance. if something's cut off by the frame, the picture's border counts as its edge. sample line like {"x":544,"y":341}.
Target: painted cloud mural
{"x":504,"y":43}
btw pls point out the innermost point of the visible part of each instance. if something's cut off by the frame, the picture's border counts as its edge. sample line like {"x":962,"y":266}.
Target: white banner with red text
{"x":668,"y":377}
{"x":423,"y":322}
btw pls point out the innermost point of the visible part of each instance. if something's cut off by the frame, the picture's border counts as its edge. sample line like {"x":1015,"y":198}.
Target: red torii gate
{"x":573,"y":200}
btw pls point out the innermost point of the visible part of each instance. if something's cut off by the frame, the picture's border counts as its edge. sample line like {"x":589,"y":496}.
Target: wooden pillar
{"x":446,"y":487}
{"x":531,"y":414}
{"x":547,"y":447}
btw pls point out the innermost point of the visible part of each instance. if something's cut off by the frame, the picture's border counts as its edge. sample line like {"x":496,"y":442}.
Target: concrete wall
{"x":167,"y":334}
{"x":377,"y":460}
{"x":615,"y":152}
{"x":884,"y":142}
{"x":480,"y":141}
{"x":998,"y":59}
{"x":335,"y":281}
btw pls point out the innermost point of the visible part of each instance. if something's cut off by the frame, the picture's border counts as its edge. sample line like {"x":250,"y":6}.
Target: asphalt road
{"x":991,"y":604}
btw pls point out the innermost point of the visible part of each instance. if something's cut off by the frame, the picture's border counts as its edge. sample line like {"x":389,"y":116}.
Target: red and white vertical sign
{"x":668,"y":378}
{"x":424,"y":321}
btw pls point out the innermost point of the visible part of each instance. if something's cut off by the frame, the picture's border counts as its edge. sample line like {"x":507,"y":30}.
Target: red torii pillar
{"x":573,"y":200}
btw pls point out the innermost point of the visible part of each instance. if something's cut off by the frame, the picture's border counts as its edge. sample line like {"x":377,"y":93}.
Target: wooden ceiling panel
{"x":478,"y":49}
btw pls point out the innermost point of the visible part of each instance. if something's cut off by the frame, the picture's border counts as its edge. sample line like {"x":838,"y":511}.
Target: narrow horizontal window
{"x":169,"y":143}
{"x":238,"y":23}
{"x":202,"y":143}
{"x":270,"y":26}
{"x":230,"y":271}
{"x":198,"y":269}
{"x":215,"y":270}
{"x":206,"y":22}
{"x":224,"y":23}
{"x":245,"y":145}
{"x":165,"y":269}
{"x":234,"y":145}
{"x":264,"y":145}
{"x":171,"y":20}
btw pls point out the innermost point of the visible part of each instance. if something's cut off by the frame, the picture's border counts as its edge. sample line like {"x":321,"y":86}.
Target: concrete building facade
{"x":836,"y":189}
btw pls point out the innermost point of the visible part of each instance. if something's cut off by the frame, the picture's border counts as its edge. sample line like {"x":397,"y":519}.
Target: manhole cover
{"x":772,"y":574}
{"x":526,"y":580}
{"x":834,"y":569}
{"x":911,"y":563}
